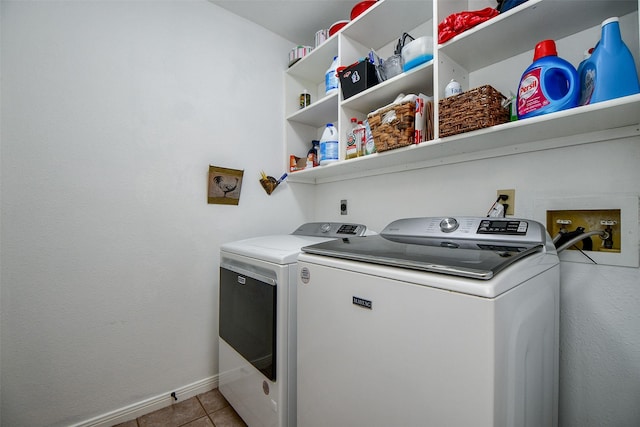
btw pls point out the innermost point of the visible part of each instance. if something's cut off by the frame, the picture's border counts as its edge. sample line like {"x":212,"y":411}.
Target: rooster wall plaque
{"x":224,"y":185}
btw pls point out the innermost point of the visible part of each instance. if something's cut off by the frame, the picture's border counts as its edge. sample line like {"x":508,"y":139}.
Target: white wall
{"x":112,"y":112}
{"x":600,"y":305}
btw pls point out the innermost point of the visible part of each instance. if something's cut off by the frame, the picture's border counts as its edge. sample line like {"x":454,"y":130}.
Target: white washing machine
{"x":257,"y":330}
{"x":434,"y":322}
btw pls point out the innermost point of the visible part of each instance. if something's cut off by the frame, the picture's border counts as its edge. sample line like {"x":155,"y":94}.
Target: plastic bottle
{"x":352,"y":148}
{"x":360,"y":136}
{"x":331,"y":78}
{"x":316,"y":150}
{"x":312,"y":155}
{"x":305,"y":99}
{"x":453,"y":88}
{"x":583,"y":93}
{"x":370,"y":146}
{"x":549,"y":84}
{"x":610,"y":72}
{"x":329,"y":145}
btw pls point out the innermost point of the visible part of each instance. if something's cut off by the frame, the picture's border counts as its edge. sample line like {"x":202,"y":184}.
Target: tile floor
{"x":208,"y":409}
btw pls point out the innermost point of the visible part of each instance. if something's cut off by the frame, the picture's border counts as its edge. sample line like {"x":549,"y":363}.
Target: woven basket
{"x":393,"y":126}
{"x":475,"y":109}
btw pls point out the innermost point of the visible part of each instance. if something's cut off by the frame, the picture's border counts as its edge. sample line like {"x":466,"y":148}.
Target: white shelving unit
{"x":487,"y":53}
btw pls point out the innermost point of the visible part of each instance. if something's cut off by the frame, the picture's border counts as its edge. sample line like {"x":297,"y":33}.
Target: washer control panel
{"x":330,"y":229}
{"x":501,"y":226}
{"x":477,"y":228}
{"x":449,"y":225}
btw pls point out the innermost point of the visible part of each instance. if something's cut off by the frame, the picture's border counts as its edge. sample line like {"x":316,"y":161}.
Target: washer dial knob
{"x":325,"y":228}
{"x":448,"y":225}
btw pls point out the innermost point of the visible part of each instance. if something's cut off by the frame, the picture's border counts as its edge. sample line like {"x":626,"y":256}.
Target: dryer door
{"x":248,"y":317}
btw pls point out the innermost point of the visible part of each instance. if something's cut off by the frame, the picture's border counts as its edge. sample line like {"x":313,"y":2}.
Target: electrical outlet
{"x":511,"y":200}
{"x":343,"y":207}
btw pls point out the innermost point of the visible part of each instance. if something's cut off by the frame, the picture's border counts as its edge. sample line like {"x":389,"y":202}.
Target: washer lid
{"x":477,"y":248}
{"x":278,"y":249}
{"x":284,"y":248}
{"x":480,"y":260}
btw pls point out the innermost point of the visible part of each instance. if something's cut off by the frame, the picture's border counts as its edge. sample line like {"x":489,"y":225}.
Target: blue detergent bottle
{"x":550,"y":84}
{"x":610,"y":72}
{"x":587,"y":55}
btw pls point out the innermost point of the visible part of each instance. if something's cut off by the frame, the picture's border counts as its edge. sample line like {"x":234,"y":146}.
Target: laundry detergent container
{"x":417,"y":52}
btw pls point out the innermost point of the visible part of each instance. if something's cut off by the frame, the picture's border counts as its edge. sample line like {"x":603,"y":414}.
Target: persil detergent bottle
{"x":610,"y":72}
{"x":550,"y":84}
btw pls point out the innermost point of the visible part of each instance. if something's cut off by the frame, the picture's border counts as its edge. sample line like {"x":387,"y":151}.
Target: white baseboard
{"x":151,"y":404}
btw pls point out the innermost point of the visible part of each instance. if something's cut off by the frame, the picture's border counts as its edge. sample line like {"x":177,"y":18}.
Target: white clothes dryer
{"x":434,"y":322}
{"x":257,"y":329}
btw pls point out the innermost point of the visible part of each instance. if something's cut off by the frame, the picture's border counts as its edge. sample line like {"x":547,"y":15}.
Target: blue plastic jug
{"x":587,"y":55}
{"x":610,"y":72}
{"x":549,"y":84}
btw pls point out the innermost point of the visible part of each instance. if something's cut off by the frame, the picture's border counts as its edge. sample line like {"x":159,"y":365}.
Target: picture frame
{"x":224,"y":185}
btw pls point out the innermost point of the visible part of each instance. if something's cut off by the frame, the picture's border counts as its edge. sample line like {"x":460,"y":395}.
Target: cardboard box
{"x":357,"y":77}
{"x":297,"y":163}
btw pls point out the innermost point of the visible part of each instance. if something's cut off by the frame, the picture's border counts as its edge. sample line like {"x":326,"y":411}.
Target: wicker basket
{"x":393,"y":126}
{"x":475,"y":109}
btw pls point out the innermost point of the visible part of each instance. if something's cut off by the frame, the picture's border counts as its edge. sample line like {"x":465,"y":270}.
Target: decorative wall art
{"x":269,"y":183}
{"x":224,"y":185}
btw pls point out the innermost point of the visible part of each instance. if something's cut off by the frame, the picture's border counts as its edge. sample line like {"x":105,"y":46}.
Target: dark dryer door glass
{"x":248,"y":318}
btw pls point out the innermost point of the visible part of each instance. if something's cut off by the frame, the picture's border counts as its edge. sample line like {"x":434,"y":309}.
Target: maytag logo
{"x":362,"y":302}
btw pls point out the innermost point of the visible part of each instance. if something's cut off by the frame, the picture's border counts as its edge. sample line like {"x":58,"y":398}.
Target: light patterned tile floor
{"x":208,"y":409}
